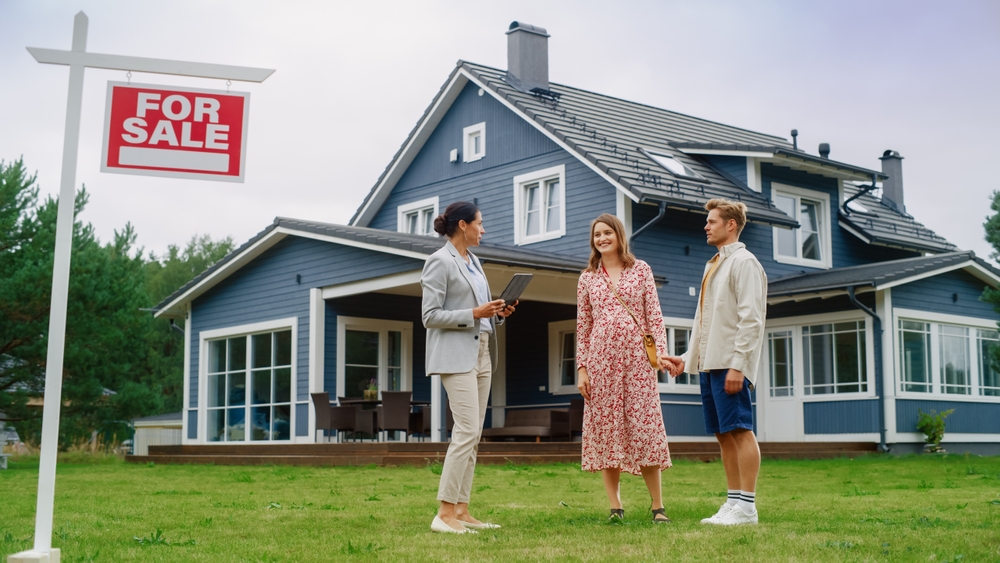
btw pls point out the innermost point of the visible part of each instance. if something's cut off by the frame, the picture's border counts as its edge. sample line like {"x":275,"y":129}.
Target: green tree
{"x":105,"y":327}
{"x":990,"y":295}
{"x":165,"y":344}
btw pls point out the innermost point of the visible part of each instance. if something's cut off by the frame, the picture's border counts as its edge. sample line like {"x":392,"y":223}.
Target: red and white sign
{"x":176,"y":132}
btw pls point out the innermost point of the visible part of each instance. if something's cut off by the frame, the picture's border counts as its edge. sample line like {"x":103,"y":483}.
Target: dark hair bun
{"x":441,"y":225}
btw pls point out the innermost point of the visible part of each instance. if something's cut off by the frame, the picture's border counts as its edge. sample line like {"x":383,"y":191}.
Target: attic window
{"x":674,"y":166}
{"x":417,"y":218}
{"x":475,"y":142}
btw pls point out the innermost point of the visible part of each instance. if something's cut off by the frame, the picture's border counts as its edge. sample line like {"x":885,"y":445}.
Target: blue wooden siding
{"x":841,"y":417}
{"x":684,"y":420}
{"x":512,"y":148}
{"x":266,"y":289}
{"x":936,"y":295}
{"x":971,"y":418}
{"x":377,"y":306}
{"x":735,"y":166}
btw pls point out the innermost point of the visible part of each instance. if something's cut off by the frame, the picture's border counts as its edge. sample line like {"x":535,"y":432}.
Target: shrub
{"x":932,"y":425}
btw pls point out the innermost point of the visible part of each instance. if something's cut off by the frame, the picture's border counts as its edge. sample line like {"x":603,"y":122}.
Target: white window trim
{"x":795,"y":324}
{"x":467,"y":153}
{"x":382,"y":327}
{"x":403,"y":210}
{"x":937,"y":319}
{"x":672,"y":387}
{"x":555,"y":357}
{"x":538,"y":176}
{"x":825,"y":228}
{"x":244,"y":330}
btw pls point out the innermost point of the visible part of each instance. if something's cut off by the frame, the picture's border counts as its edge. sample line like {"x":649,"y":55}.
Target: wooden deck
{"x":423,"y":453}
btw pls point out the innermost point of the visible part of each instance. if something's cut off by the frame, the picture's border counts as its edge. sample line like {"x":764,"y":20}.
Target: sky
{"x":353,"y":78}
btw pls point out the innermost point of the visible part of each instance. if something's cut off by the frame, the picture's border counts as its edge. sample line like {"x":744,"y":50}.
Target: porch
{"x":425,"y":453}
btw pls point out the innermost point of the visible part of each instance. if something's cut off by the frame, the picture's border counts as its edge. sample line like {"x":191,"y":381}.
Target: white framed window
{"x":946,"y":355}
{"x":808,"y":245}
{"x":540,"y":205}
{"x":248,"y":379}
{"x":677,"y":344}
{"x":818,"y":357}
{"x":475,"y":142}
{"x":373,"y":353}
{"x":417,"y":218}
{"x":835,"y":358}
{"x":562,"y":357}
{"x":780,"y":361}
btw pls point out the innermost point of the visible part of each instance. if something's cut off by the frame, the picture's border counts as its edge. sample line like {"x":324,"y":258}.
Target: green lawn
{"x":927,"y":508}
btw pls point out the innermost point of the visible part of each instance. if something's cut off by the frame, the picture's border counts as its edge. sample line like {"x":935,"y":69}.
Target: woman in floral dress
{"x":622,"y":421}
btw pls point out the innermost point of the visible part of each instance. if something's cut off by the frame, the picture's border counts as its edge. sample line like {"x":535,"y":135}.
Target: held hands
{"x":495,"y":307}
{"x":673,"y":365}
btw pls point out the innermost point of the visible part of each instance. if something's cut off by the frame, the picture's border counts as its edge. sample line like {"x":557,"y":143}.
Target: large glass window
{"x":989,"y":378}
{"x":955,"y":364}
{"x":567,"y":359}
{"x":834,"y":357}
{"x":915,"y":356}
{"x":267,"y":406}
{"x":360,"y":362}
{"x":372,"y":354}
{"x":780,"y":352}
{"x":808,"y":243}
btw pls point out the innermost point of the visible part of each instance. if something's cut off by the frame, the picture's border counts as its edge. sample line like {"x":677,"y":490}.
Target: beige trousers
{"x":468,"y":394}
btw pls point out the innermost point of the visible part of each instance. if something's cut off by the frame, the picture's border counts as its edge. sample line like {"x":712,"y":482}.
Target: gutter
{"x":653,"y":221}
{"x":877,"y":325}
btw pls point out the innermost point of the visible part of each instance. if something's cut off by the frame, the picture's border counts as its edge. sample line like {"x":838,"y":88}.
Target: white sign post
{"x":77,"y":59}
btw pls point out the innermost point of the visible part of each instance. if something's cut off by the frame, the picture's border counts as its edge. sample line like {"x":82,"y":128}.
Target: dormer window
{"x":540,"y":205}
{"x":674,"y":166}
{"x":417,"y":218}
{"x":475,"y":142}
{"x":809,"y":245}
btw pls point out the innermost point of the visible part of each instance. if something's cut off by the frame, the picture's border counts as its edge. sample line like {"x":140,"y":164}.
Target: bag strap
{"x":607,"y":278}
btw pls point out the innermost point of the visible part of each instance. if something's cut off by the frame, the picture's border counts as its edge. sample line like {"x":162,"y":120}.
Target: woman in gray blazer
{"x":461,"y":326}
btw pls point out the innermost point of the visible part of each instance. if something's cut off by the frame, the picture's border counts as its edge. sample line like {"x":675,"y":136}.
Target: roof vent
{"x":824,"y":150}
{"x":795,"y":139}
{"x":528,"y":58}
{"x":892,"y":188}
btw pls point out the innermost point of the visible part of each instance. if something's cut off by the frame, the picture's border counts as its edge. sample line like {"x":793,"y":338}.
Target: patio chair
{"x":344,"y":419}
{"x":321,"y":402}
{"x":394,"y":414}
{"x":420,"y":422}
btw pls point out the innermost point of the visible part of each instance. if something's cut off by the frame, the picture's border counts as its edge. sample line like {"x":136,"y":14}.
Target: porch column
{"x":317,"y":335}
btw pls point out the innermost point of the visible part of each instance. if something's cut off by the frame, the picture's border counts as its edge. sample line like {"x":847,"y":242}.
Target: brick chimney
{"x":527,"y":57}
{"x":892,"y":189}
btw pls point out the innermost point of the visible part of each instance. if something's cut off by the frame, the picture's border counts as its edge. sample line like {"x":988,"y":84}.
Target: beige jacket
{"x":728,"y":330}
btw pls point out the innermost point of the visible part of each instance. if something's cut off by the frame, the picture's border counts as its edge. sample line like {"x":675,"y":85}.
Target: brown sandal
{"x":660,"y":512}
{"x":617,"y":515}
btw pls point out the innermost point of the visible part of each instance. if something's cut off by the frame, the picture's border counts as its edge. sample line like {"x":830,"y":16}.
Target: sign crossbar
{"x":156,"y":66}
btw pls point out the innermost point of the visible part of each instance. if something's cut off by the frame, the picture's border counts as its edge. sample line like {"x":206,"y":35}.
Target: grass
{"x":927,"y":508}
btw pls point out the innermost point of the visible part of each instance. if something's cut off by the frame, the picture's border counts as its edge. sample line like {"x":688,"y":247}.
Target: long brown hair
{"x":628,"y":259}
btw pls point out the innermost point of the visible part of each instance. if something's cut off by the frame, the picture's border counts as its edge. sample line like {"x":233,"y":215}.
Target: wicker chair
{"x":394,"y":414}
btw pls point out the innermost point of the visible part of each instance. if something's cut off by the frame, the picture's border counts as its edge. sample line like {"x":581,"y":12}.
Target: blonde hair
{"x":729,"y":209}
{"x":628,"y":259}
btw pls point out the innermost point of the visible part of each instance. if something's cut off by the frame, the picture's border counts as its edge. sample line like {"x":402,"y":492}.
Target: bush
{"x":932,"y":425}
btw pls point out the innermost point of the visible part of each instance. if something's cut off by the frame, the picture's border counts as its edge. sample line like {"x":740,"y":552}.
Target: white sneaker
{"x":725,"y":508}
{"x":736,"y":517}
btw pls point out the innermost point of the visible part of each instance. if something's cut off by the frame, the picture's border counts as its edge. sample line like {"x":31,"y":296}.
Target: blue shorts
{"x":724,"y":412}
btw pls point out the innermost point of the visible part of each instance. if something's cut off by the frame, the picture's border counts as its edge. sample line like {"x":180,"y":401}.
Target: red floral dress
{"x":622,"y":421}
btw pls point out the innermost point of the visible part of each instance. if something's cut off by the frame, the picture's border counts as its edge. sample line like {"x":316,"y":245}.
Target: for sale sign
{"x":175,"y":132}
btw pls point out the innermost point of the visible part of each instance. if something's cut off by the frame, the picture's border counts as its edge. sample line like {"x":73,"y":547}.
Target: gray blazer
{"x":448,"y":300}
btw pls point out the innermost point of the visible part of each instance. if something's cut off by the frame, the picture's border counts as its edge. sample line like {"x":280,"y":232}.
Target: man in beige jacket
{"x":725,"y":347}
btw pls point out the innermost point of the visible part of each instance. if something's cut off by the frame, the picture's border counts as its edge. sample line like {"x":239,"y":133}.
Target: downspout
{"x":653,"y":221}
{"x":868,"y":189}
{"x":877,"y":325}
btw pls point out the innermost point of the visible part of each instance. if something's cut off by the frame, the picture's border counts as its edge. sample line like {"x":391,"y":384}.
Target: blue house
{"x":871,"y":318}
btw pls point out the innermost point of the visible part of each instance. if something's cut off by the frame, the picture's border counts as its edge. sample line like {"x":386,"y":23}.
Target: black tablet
{"x":515,"y":288}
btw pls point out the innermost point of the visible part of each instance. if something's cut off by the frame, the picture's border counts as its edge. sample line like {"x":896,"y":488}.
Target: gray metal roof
{"x":173,"y":416}
{"x":873,"y":275}
{"x":783,"y":151}
{"x":883,"y":225}
{"x":425,"y":245}
{"x":611,"y":133}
